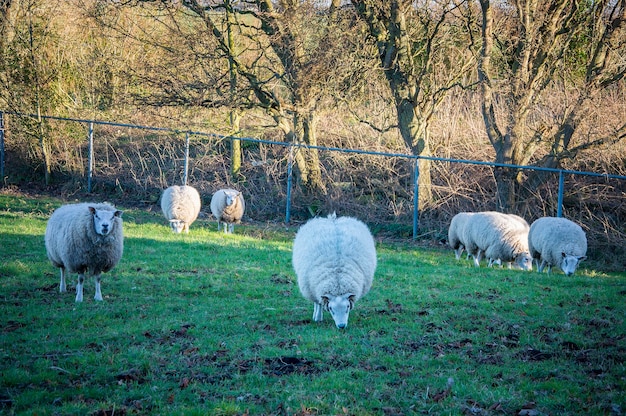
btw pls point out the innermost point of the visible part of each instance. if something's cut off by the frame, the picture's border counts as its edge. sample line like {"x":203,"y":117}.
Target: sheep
{"x":499,"y":237}
{"x":556,"y":241}
{"x":83,"y":238}
{"x":522,"y":226}
{"x":456,"y":232}
{"x":228,"y":206}
{"x":334,"y":259}
{"x":181,"y":206}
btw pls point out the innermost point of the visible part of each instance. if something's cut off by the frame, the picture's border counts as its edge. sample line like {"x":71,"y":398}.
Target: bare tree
{"x":425,"y":51}
{"x":536,"y":43}
{"x":260,"y":54}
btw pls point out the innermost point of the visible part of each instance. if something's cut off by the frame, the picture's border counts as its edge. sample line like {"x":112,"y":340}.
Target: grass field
{"x":207,"y":323}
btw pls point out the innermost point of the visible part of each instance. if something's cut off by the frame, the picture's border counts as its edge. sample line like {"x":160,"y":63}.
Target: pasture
{"x":207,"y":323}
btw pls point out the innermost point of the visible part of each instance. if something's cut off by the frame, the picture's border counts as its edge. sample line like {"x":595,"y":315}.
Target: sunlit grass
{"x":207,"y":323}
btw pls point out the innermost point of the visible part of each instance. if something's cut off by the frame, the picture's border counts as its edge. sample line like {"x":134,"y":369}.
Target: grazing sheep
{"x":228,"y":206}
{"x":525,"y":261}
{"x":83,"y":238}
{"x":180,"y":206}
{"x":499,"y":237}
{"x":559,"y":242}
{"x":456,"y":232}
{"x":335,"y":260}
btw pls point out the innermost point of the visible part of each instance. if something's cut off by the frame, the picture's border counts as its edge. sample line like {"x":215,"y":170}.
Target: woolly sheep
{"x":83,"y":238}
{"x":180,"y":206}
{"x":334,"y":260}
{"x":559,"y":242}
{"x":522,"y":226}
{"x":499,"y":237}
{"x":228,"y":206}
{"x":456,"y":232}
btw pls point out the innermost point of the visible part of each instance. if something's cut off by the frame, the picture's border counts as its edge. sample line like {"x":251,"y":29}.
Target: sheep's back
{"x":334,"y":256}
{"x":511,"y":238}
{"x":550,"y":236}
{"x":483,"y":229}
{"x":499,"y":235}
{"x":181,"y":203}
{"x":457,"y":228}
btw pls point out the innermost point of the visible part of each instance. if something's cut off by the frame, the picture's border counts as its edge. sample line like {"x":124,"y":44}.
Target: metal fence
{"x":91,"y":175}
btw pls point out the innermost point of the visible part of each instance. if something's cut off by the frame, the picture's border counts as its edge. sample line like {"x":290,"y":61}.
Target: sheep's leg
{"x":541,"y":265}
{"x":79,"y":287}
{"x":477,"y":258}
{"x":231,"y":228}
{"x":317,"y":312}
{"x":493,"y":262}
{"x":98,"y":292}
{"x":62,"y":285}
{"x":458,"y":252}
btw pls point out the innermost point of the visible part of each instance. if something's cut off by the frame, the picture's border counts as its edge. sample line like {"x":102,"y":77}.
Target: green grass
{"x":205,"y":323}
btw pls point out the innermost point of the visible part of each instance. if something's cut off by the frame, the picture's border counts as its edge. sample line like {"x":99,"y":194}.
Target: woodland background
{"x":537,"y":83}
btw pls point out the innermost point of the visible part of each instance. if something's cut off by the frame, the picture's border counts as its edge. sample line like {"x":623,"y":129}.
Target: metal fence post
{"x":416,"y":197}
{"x":559,"y":208}
{"x":90,"y":158}
{"x":289,"y":180}
{"x":185,"y":177}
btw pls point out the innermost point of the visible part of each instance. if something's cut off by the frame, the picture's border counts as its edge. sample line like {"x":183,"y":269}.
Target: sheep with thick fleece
{"x":83,"y":238}
{"x":524,"y":262}
{"x":228,"y":206}
{"x":334,"y":259}
{"x":556,"y":241}
{"x":181,"y":206}
{"x":456,"y":232}
{"x":498,"y":236}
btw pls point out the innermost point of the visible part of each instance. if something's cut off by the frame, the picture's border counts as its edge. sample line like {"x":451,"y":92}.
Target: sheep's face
{"x":524,"y":261}
{"x":231,"y":198}
{"x":177,"y":226}
{"x":569,"y":264}
{"x":339,"y":308}
{"x":104,"y":220}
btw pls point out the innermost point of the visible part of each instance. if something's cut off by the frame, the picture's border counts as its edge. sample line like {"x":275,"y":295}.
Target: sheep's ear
{"x":118,"y":213}
{"x":563,"y":255}
{"x":92,"y":210}
{"x":581,"y":258}
{"x":325,"y":300}
{"x":351,"y":298}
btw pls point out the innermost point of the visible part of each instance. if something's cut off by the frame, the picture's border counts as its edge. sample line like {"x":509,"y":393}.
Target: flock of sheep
{"x":334,"y":257}
{"x":499,"y":237}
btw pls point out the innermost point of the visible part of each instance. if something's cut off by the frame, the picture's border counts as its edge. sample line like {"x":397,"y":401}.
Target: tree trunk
{"x":309,"y":129}
{"x":414,"y":131}
{"x":235,"y":115}
{"x":500,"y":142}
{"x":235,"y":145}
{"x":302,"y":170}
